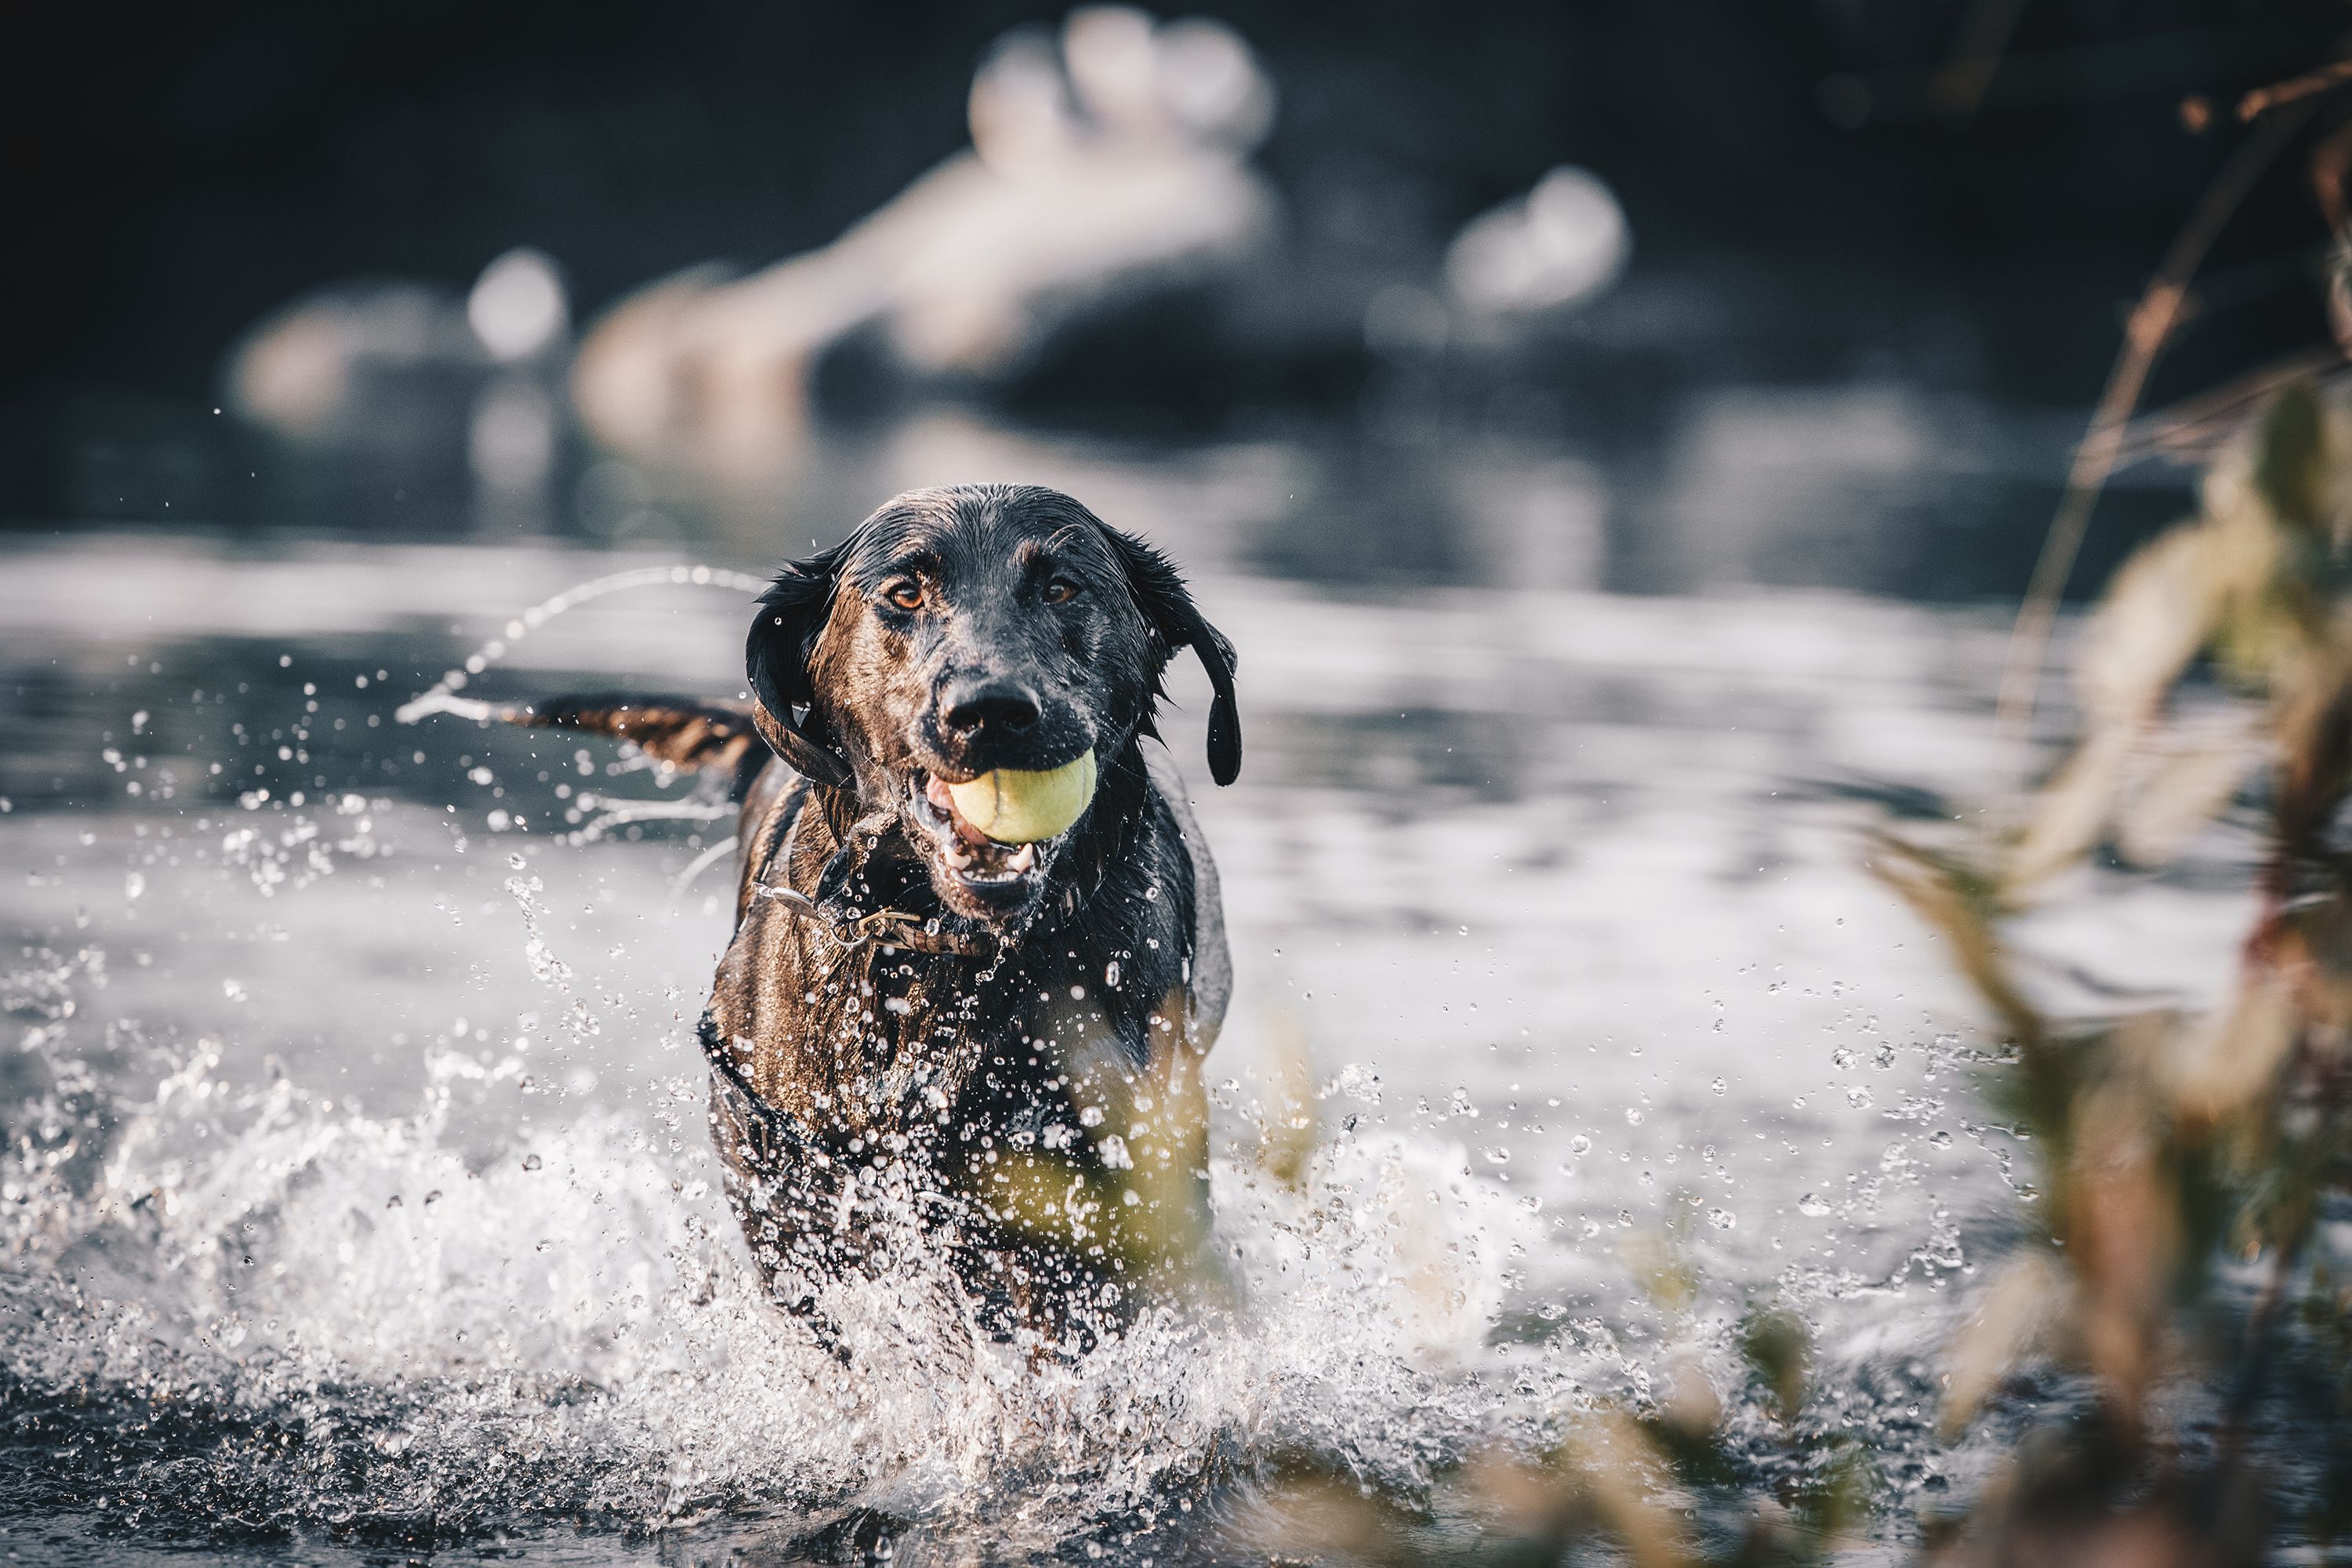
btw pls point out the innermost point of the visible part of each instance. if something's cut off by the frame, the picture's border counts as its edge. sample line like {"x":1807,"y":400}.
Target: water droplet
{"x":1722,"y":1219}
{"x":133,"y":884}
{"x":1842,"y":1059}
{"x":1858,"y":1096}
{"x":1941,"y":1138}
{"x":1579,"y":1145}
{"x":531,"y":1161}
{"x":1633,"y":1118}
{"x":1812,"y":1205}
{"x":1719,"y":1086}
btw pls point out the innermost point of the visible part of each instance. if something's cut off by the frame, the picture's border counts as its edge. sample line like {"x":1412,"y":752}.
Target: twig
{"x":2186,"y":428}
{"x":2263,"y":100}
{"x":2150,"y":326}
{"x":1958,"y":87}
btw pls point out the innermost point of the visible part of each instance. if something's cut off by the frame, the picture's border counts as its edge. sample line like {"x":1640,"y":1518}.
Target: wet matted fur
{"x":1009,"y":1068}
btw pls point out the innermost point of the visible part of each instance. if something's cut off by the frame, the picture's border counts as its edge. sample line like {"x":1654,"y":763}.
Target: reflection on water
{"x":355,"y":1198}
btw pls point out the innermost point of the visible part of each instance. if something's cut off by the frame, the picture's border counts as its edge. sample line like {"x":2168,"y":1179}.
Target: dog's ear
{"x":775,"y":658}
{"x":1159,"y":592}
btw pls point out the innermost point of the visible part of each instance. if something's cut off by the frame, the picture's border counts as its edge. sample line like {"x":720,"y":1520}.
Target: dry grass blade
{"x":1616,"y":1464}
{"x":2150,"y":326}
{"x":1958,"y":88}
{"x":2263,"y":100}
{"x":1959,"y":907}
{"x":2215,"y":1070}
{"x":2027,"y":1295}
{"x":2071,"y":814}
{"x":2186,"y":789}
{"x":1288,"y":1138}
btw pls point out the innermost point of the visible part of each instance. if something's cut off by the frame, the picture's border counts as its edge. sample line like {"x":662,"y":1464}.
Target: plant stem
{"x":2150,"y":327}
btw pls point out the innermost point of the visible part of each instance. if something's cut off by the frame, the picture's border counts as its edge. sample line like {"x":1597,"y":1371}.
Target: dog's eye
{"x":905,"y":595}
{"x":1061,"y":590}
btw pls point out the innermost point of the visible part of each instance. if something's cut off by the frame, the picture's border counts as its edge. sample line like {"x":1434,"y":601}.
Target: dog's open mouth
{"x":972,"y":857}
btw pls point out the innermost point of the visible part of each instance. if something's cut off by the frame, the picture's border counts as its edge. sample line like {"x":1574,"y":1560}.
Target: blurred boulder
{"x":1562,"y":243}
{"x":1107,"y":171}
{"x":452,"y":406}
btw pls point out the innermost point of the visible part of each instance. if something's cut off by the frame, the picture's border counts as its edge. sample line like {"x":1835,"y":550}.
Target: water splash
{"x":247,"y":1309}
{"x":442,"y":696}
{"x":591,"y":817}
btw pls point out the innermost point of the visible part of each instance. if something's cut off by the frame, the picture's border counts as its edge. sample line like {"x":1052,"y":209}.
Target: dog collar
{"x":892,"y":928}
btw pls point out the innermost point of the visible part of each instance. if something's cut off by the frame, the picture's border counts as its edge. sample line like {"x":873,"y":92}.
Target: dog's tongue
{"x":1012,"y":806}
{"x":944,"y":800}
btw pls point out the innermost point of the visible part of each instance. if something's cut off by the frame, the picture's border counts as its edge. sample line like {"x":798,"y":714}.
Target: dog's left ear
{"x":1159,"y":592}
{"x":776,"y":656}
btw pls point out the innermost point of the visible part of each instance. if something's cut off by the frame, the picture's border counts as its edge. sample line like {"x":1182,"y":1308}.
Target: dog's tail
{"x":683,"y":732}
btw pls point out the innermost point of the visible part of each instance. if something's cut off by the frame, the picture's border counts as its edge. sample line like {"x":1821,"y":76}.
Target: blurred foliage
{"x":1721,"y":1468}
{"x":2161,"y":1370}
{"x":2166,"y":1354}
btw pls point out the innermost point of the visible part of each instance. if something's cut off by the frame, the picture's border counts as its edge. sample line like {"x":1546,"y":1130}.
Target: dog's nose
{"x":969,"y":708}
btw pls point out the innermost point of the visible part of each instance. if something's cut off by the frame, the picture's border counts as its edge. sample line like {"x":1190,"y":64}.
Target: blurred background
{"x":1617,"y":436}
{"x":1811,"y":292}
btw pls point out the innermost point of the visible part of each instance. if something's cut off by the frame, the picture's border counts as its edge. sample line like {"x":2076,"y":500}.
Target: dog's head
{"x":964,"y":630}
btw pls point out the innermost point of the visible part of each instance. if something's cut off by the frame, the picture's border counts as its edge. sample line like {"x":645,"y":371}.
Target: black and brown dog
{"x":919,"y":1032}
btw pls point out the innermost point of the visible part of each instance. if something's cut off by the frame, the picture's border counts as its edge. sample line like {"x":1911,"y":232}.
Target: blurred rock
{"x":453,"y":406}
{"x":326,"y":369}
{"x":518,"y":307}
{"x":1106,"y":171}
{"x":1563,"y":242}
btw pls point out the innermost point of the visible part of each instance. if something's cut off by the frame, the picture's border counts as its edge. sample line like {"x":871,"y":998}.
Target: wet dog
{"x":926,"y":1036}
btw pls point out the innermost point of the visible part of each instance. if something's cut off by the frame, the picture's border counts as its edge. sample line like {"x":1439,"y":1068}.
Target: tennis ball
{"x":1015,"y":806}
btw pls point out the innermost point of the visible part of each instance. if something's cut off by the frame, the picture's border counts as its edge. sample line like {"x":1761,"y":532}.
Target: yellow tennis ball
{"x":1015,"y":806}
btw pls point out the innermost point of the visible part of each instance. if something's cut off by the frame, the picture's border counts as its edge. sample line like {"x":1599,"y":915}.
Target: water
{"x":357,"y":1196}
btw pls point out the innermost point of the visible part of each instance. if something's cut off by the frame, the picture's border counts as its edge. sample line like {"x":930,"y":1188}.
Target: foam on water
{"x":261,"y":1312}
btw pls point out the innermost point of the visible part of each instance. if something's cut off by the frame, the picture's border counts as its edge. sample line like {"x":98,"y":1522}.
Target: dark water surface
{"x":357,"y":1202}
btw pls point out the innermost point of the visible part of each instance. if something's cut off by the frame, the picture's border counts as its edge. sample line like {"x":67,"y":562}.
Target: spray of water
{"x":244,"y":1303}
{"x":442,"y":696}
{"x":241,"y":1310}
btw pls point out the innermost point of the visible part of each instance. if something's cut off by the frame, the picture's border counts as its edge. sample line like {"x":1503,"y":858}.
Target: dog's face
{"x":960,"y":631}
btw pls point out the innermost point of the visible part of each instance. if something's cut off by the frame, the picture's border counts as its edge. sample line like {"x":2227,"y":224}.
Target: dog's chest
{"x":875,"y":1039}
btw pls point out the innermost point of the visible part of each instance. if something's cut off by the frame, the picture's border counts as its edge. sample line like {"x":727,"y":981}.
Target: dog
{"x":922,"y":1037}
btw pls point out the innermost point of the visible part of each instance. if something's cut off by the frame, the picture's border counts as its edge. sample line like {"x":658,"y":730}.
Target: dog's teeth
{"x":1023,"y":858}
